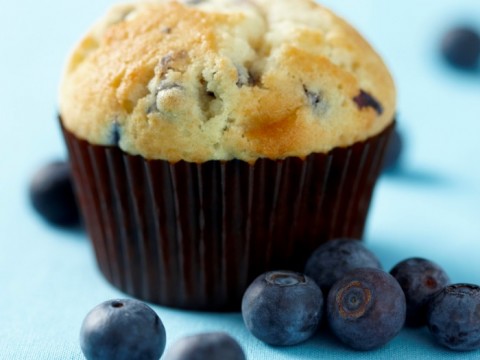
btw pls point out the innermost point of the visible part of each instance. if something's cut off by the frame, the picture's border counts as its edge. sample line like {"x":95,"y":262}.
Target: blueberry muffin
{"x":213,"y":140}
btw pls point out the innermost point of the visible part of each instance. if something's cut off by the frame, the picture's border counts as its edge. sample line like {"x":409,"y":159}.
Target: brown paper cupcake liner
{"x":194,"y":235}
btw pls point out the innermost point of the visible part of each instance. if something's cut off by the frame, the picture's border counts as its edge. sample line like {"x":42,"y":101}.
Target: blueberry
{"x":365,"y":99}
{"x":366,"y":308}
{"x":333,"y":259}
{"x":461,"y":48}
{"x":420,"y":279}
{"x":116,"y":134}
{"x":393,"y":151}
{"x":52,"y":196}
{"x":122,"y":330}
{"x":211,"y":346}
{"x":282,"y":307}
{"x":454,"y":317}
{"x":316,"y":100}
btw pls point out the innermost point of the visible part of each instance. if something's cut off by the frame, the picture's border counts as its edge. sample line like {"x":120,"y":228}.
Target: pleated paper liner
{"x":194,"y":235}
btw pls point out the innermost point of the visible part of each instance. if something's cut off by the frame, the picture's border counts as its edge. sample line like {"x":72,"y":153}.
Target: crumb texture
{"x":224,"y":79}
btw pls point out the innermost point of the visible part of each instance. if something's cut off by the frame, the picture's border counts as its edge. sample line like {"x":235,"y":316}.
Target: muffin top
{"x":225,"y":79}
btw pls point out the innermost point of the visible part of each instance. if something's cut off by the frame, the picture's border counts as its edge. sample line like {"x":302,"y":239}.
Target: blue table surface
{"x":430,"y":207}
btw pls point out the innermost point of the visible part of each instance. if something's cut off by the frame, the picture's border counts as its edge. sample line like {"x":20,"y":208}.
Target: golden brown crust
{"x":225,"y":79}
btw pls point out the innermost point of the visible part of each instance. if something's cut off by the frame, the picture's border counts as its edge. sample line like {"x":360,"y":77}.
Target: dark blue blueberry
{"x":115,"y":135}
{"x":366,"y":308}
{"x":393,"y":151}
{"x":211,"y":346}
{"x":282,"y":307}
{"x":461,"y":48}
{"x":333,"y":259}
{"x":364,"y":99}
{"x":419,"y":279}
{"x":454,"y":317}
{"x":122,"y":330}
{"x":315,"y":99}
{"x":52,"y":196}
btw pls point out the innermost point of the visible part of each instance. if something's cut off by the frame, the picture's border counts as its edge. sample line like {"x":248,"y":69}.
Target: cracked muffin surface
{"x":225,"y":79}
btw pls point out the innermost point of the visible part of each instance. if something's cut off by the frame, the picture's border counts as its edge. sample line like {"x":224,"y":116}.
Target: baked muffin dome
{"x":225,"y":79}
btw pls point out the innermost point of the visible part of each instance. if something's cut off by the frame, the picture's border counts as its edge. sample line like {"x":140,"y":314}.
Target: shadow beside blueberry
{"x":394,"y":166}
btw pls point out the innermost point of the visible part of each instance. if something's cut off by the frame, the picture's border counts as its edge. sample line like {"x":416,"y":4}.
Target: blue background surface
{"x":48,"y":277}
